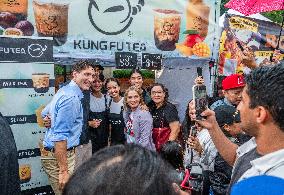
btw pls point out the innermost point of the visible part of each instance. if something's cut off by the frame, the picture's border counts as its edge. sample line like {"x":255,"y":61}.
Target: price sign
{"x":152,"y":61}
{"x":125,"y":60}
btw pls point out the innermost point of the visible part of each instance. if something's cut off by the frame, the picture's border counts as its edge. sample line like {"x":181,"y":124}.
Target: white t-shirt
{"x":98,"y":104}
{"x":207,"y":158}
{"x":115,"y":107}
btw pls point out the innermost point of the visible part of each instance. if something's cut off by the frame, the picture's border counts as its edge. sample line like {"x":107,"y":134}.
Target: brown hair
{"x":82,"y":65}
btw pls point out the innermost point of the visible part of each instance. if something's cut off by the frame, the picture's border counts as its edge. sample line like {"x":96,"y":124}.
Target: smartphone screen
{"x":200,"y":99}
{"x":193,"y":131}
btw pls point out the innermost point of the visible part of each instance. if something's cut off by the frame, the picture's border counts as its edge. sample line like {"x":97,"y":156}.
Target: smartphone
{"x":193,"y":131}
{"x":199,"y":72}
{"x":200,"y":99}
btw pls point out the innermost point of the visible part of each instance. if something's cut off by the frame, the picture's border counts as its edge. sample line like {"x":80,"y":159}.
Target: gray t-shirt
{"x":98,"y":104}
{"x":242,"y":165}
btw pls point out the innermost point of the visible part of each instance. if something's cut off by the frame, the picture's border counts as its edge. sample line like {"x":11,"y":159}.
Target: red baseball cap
{"x":233,"y":81}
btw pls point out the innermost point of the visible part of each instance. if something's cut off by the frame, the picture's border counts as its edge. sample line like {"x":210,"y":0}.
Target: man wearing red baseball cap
{"x":232,"y":88}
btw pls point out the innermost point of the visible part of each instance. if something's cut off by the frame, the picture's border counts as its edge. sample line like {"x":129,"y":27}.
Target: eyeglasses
{"x":157,"y":92}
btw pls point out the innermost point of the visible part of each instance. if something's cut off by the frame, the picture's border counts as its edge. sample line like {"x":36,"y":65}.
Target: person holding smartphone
{"x":261,"y":113}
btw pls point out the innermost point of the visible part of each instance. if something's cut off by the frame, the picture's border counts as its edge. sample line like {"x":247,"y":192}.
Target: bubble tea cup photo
{"x":166,"y":28}
{"x":40,"y":82}
{"x":52,"y":19}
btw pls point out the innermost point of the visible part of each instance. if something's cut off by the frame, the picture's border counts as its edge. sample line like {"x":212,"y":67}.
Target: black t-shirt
{"x":242,"y":165}
{"x":163,"y":115}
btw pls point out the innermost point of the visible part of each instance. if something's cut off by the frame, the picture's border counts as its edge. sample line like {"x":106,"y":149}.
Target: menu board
{"x":126,"y":60}
{"x":26,"y":86}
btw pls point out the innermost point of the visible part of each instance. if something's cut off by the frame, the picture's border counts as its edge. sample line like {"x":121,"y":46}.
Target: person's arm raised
{"x":225,"y":147}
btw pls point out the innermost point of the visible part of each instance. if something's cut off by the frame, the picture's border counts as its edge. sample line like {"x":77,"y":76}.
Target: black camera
{"x":193,"y":178}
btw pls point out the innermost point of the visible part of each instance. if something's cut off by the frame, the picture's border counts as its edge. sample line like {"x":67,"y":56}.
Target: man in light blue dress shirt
{"x":66,"y":113}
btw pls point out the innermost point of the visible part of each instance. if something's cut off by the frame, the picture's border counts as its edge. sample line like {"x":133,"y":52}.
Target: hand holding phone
{"x":200,"y":100}
{"x":193,"y":131}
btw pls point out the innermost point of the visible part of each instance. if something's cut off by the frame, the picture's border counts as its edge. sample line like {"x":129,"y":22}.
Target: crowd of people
{"x":102,"y":141}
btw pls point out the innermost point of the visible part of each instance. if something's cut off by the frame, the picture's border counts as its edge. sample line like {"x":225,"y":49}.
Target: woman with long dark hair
{"x":136,"y":79}
{"x":115,"y":112}
{"x":98,"y":119}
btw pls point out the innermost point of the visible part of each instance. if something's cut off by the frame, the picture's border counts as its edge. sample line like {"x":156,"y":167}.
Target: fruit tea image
{"x":166,"y":29}
{"x":197,"y":17}
{"x":13,"y":15}
{"x":52,"y":20}
{"x":25,"y":173}
{"x":40,"y":82}
{"x":17,"y":7}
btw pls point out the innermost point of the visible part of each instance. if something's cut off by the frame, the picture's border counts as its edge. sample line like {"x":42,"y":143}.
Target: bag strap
{"x":106,"y":107}
{"x":109,"y":104}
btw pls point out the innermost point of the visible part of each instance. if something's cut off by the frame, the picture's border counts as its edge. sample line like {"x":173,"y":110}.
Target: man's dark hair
{"x":123,"y":169}
{"x":172,"y":152}
{"x":265,"y":87}
{"x":82,"y":65}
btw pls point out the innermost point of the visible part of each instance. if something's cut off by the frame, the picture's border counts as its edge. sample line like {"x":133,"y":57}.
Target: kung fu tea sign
{"x":100,"y":28}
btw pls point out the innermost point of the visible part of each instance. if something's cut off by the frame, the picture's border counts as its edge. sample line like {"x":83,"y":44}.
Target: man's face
{"x":234,"y":95}
{"x":248,"y":121}
{"x":84,"y":78}
{"x":136,"y":80}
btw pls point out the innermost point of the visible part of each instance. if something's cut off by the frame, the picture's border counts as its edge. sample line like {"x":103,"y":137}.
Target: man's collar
{"x":76,"y":89}
{"x":266,"y":162}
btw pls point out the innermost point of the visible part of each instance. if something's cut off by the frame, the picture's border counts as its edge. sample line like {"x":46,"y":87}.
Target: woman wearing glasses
{"x":165,"y":116}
